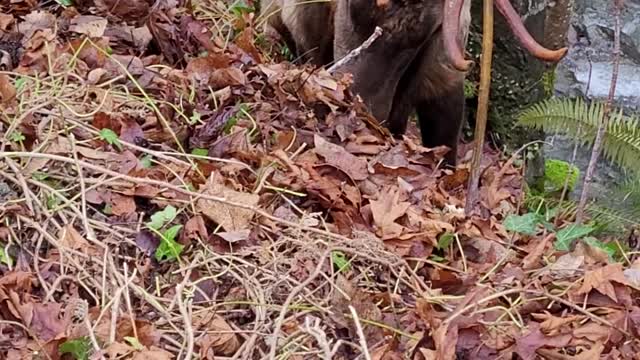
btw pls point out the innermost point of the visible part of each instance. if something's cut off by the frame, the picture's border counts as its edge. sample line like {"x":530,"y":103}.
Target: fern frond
{"x":580,"y":120}
{"x":608,"y":219}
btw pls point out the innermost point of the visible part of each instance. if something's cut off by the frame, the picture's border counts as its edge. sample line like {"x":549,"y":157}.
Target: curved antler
{"x":521,"y":33}
{"x":450,"y":29}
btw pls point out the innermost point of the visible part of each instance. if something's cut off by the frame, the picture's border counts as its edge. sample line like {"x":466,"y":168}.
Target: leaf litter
{"x":171,"y":188}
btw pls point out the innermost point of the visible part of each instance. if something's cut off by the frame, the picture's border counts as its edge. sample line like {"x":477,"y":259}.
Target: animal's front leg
{"x":441,"y":119}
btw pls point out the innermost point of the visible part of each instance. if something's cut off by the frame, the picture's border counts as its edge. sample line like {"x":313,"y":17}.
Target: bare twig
{"x":483,"y":105}
{"x":597,"y":144}
{"x":356,"y":52}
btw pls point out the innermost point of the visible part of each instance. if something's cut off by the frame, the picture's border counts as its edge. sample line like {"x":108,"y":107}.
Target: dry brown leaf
{"x":337,"y":156}
{"x":230,"y":218}
{"x":90,"y":25}
{"x":600,"y":280}
{"x":532,"y":260}
{"x":153,"y":354}
{"x":122,"y":204}
{"x":7,"y":90}
{"x":69,"y":237}
{"x":5,"y":21}
{"x":386,"y":210}
{"x":552,"y":324}
{"x":567,"y":266}
{"x":593,"y":332}
{"x":220,"y":338}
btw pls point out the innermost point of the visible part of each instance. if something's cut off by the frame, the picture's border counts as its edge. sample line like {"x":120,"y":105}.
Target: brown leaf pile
{"x":305,"y":230}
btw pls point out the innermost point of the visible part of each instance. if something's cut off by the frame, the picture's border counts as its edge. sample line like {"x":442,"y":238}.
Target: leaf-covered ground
{"x":170,"y":188}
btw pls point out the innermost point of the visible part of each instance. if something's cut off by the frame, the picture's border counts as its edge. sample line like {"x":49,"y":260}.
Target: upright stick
{"x":483,"y":104}
{"x":597,"y":143}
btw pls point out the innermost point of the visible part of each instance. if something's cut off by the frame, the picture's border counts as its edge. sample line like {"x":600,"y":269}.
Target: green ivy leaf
{"x":523,"y":224}
{"x":339,"y":260}
{"x":565,"y":237}
{"x":445,"y":240}
{"x":110,"y":137}
{"x":163,"y":217}
{"x":169,"y":248}
{"x":78,"y":348}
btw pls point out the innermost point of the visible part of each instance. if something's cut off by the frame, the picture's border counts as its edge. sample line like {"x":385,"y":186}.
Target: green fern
{"x":603,"y":218}
{"x":580,"y":120}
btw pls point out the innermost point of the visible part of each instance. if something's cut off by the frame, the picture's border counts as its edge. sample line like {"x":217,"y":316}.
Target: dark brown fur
{"x":405,"y":69}
{"x":306,"y":27}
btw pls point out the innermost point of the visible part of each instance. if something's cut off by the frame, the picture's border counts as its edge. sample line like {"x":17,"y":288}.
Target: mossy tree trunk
{"x":518,"y":79}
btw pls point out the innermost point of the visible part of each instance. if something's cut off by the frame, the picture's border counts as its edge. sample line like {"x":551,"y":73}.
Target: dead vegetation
{"x":161,"y":203}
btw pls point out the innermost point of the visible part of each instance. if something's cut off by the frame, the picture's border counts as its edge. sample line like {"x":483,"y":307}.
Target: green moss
{"x":556,"y":173}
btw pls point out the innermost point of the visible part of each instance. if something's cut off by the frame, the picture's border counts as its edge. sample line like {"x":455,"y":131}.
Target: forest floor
{"x":170,"y":189}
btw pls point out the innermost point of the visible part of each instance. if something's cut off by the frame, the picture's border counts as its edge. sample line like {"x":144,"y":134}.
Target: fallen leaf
{"x":337,"y":156}
{"x":220,"y":339}
{"x":90,"y":25}
{"x":230,"y":218}
{"x":7,"y":90}
{"x":386,"y":210}
{"x":600,"y":280}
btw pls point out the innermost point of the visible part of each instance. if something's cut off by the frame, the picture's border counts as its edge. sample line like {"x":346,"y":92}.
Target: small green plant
{"x":200,"y":152}
{"x":529,"y":224}
{"x":240,"y":7}
{"x":470,"y":89}
{"x":111,"y":138}
{"x":339,"y":260}
{"x":556,"y":173}
{"x":5,"y":258}
{"x":169,"y":248}
{"x":18,"y":137}
{"x":146,"y":161}
{"x":548,"y":81}
{"x":160,"y":218}
{"x":445,"y":240}
{"x":78,"y":348}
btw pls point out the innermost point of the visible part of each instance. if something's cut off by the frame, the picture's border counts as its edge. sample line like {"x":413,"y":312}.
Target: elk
{"x":417,"y":64}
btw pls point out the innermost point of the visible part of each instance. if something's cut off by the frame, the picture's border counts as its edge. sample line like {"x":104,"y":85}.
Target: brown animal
{"x":417,"y":63}
{"x":306,"y":26}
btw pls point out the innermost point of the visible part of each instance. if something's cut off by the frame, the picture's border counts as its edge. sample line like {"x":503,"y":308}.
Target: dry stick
{"x":597,"y":144}
{"x":285,"y":307}
{"x":355,"y":52}
{"x":574,"y":155}
{"x":361,"y":338}
{"x":165,"y":185}
{"x":483,"y":104}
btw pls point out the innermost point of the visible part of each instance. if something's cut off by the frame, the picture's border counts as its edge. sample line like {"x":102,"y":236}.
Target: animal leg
{"x":441,"y":120}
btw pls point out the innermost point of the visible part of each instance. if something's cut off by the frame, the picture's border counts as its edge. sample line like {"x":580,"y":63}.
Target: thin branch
{"x":597,"y":144}
{"x":483,"y":105}
{"x":356,"y":52}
